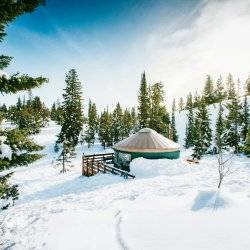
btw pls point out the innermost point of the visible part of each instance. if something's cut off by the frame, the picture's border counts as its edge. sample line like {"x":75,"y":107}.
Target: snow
{"x":170,"y":205}
{"x":5,"y":150}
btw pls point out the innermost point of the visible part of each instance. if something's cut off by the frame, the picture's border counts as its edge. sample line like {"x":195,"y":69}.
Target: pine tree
{"x":126,"y":124}
{"x":117,"y":125}
{"x":247,"y":144}
{"x":92,"y":124}
{"x":245,"y":119}
{"x":66,"y":156}
{"x":181,"y":104}
{"x":174,"y":135}
{"x":72,"y":110}
{"x":53,"y":112}
{"x":105,"y":131}
{"x":220,"y":93}
{"x":233,"y":123}
{"x":203,"y":132}
{"x":134,"y":121}
{"x":143,"y":103}
{"x":189,"y":103}
{"x":31,"y":115}
{"x":208,"y":92}
{"x":198,"y":149}
{"x":8,"y":193}
{"x":9,"y":10}
{"x":220,"y":129}
{"x":59,"y":115}
{"x":190,"y":128}
{"x":158,"y":110}
{"x":196,"y":100}
{"x":247,"y":86}
{"x":231,"y":93}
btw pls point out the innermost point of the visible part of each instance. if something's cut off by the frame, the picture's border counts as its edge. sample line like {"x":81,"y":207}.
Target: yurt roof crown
{"x":146,"y":140}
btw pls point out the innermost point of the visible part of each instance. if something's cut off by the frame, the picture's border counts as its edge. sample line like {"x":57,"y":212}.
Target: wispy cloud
{"x":217,"y":41}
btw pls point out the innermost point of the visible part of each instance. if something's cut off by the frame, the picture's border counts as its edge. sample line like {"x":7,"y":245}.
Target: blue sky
{"x":111,"y":42}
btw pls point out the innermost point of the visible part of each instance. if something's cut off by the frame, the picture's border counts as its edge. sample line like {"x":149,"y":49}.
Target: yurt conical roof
{"x":146,"y":140}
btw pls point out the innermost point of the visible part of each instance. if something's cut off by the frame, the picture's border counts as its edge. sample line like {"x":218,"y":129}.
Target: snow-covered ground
{"x":170,"y":205}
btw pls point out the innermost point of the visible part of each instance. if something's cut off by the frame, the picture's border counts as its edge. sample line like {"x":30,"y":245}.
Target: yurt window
{"x":124,"y":157}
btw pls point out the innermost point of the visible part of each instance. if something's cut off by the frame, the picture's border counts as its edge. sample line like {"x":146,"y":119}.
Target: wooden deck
{"x":93,"y":164}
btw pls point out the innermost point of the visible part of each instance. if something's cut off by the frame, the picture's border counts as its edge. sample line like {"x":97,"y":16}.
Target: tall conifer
{"x":72,"y":110}
{"x":117,"y":123}
{"x":208,"y":92}
{"x":174,"y":135}
{"x":143,"y":103}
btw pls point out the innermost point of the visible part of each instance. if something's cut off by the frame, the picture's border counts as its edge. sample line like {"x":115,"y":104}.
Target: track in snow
{"x":119,"y":237}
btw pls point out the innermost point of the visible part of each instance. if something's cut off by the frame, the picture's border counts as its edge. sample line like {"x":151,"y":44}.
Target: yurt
{"x":146,"y":143}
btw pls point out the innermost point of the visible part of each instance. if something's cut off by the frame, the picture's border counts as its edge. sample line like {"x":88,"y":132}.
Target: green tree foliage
{"x":117,"y":123}
{"x":233,"y":123}
{"x":31,"y":115}
{"x":231,"y":87}
{"x":190,"y":127}
{"x":72,"y":110}
{"x":219,"y":130}
{"x":92,"y":124}
{"x":181,"y":104}
{"x":8,"y":193}
{"x":247,"y":86}
{"x":134,"y":121}
{"x":220,"y":92}
{"x":127,"y":124}
{"x":247,"y":143}
{"x":144,"y":103}
{"x":9,"y":10}
{"x":158,"y":112}
{"x":245,"y":119}
{"x":174,"y":135}
{"x":203,"y":132}
{"x":208,"y":92}
{"x":105,"y":129}
{"x":189,"y":102}
{"x":196,"y":100}
{"x":56,"y":113}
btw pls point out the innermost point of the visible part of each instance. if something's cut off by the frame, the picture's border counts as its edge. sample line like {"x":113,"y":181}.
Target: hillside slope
{"x":170,"y":205}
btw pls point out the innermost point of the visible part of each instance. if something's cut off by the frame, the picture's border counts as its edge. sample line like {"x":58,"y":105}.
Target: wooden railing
{"x":93,"y":164}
